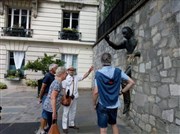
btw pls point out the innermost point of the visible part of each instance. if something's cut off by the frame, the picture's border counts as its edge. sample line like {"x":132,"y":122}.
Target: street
{"x":21,"y":113}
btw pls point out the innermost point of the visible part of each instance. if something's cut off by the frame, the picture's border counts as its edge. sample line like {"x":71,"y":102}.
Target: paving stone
{"x":23,"y":113}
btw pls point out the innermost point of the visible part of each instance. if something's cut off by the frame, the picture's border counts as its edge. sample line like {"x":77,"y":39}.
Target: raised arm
{"x":87,"y":73}
{"x":114,"y":46}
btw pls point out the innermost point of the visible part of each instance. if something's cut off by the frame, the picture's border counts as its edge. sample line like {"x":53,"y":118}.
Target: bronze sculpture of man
{"x":129,"y":44}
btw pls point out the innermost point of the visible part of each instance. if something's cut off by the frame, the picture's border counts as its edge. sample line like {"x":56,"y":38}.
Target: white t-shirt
{"x":68,"y":84}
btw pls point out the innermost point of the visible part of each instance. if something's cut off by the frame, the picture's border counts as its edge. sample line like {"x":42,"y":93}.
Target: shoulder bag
{"x":66,"y":99}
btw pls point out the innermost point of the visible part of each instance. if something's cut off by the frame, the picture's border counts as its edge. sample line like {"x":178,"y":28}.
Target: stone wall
{"x":155,"y":106}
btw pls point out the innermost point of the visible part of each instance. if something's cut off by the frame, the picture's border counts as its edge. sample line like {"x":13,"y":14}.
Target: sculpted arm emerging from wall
{"x":129,"y":43}
{"x":113,"y":45}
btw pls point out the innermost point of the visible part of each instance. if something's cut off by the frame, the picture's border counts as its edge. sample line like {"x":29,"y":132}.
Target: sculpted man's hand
{"x":107,"y":37}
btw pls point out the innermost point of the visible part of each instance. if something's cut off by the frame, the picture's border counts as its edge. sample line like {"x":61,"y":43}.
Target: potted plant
{"x":69,"y":34}
{"x":18,"y":31}
{"x":42,"y":64}
{"x":14,"y":75}
{"x":70,"y":30}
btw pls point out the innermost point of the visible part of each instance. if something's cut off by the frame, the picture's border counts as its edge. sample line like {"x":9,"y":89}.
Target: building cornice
{"x":55,"y":41}
{"x":90,"y":3}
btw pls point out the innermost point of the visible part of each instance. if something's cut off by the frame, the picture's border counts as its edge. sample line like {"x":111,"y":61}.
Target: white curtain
{"x":18,"y":59}
{"x":68,"y":59}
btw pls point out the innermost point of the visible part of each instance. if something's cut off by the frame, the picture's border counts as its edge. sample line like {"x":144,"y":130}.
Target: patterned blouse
{"x":57,"y":86}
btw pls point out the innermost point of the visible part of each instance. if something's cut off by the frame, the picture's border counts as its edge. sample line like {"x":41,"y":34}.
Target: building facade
{"x":30,"y":28}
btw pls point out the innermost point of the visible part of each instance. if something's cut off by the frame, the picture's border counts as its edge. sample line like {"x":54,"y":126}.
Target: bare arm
{"x":87,"y":73}
{"x":54,"y":95}
{"x":129,"y":85}
{"x":95,"y":96}
{"x":43,"y":87}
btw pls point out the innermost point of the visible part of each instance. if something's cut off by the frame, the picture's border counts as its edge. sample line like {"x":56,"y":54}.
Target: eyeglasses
{"x":70,"y":70}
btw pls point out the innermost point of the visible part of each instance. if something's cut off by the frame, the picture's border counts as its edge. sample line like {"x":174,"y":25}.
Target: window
{"x":70,"y":60}
{"x":19,"y":18}
{"x":70,"y":20}
{"x":16,"y":60}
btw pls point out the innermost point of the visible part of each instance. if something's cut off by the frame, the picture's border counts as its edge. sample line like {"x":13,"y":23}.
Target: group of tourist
{"x":106,"y":91}
{"x":105,"y":95}
{"x":57,"y":82}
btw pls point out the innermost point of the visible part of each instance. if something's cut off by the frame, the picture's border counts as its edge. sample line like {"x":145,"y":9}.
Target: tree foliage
{"x":42,"y":64}
{"x":108,"y":5}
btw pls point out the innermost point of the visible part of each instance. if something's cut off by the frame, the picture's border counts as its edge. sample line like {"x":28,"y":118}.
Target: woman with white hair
{"x":46,"y":82}
{"x":52,"y":102}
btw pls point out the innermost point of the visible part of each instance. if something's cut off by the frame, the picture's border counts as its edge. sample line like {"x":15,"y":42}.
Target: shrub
{"x":3,"y":86}
{"x":32,"y":83}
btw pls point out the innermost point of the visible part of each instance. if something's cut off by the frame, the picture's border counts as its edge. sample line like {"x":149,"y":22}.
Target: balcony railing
{"x":17,"y":32}
{"x":118,"y":14}
{"x":69,"y":35}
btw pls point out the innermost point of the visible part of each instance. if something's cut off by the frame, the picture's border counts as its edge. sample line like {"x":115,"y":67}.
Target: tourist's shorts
{"x":105,"y":116}
{"x":46,"y":115}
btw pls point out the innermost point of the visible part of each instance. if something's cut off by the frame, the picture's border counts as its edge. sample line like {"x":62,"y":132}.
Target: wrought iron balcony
{"x":17,"y":32}
{"x":68,"y":35}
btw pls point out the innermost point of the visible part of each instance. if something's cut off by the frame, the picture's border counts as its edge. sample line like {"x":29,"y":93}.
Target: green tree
{"x":42,"y":64}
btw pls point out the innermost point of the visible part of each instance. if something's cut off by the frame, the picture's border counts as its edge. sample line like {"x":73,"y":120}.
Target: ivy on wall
{"x":108,"y":6}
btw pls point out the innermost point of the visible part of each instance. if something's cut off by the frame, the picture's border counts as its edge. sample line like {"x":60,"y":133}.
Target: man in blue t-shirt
{"x":47,"y":80}
{"x":107,"y":89}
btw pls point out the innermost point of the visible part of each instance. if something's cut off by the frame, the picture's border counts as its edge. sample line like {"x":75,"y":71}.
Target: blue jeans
{"x":105,"y":116}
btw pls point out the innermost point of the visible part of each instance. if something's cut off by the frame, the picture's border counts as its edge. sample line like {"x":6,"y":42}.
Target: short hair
{"x":60,"y":70}
{"x":106,"y":59}
{"x":71,"y":68}
{"x":130,"y":31}
{"x":51,"y":66}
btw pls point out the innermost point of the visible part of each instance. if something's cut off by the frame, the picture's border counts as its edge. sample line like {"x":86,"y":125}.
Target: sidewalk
{"x":21,"y":113}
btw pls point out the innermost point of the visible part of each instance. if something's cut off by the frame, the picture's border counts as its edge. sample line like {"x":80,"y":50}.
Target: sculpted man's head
{"x":106,"y":59}
{"x":127,"y":32}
